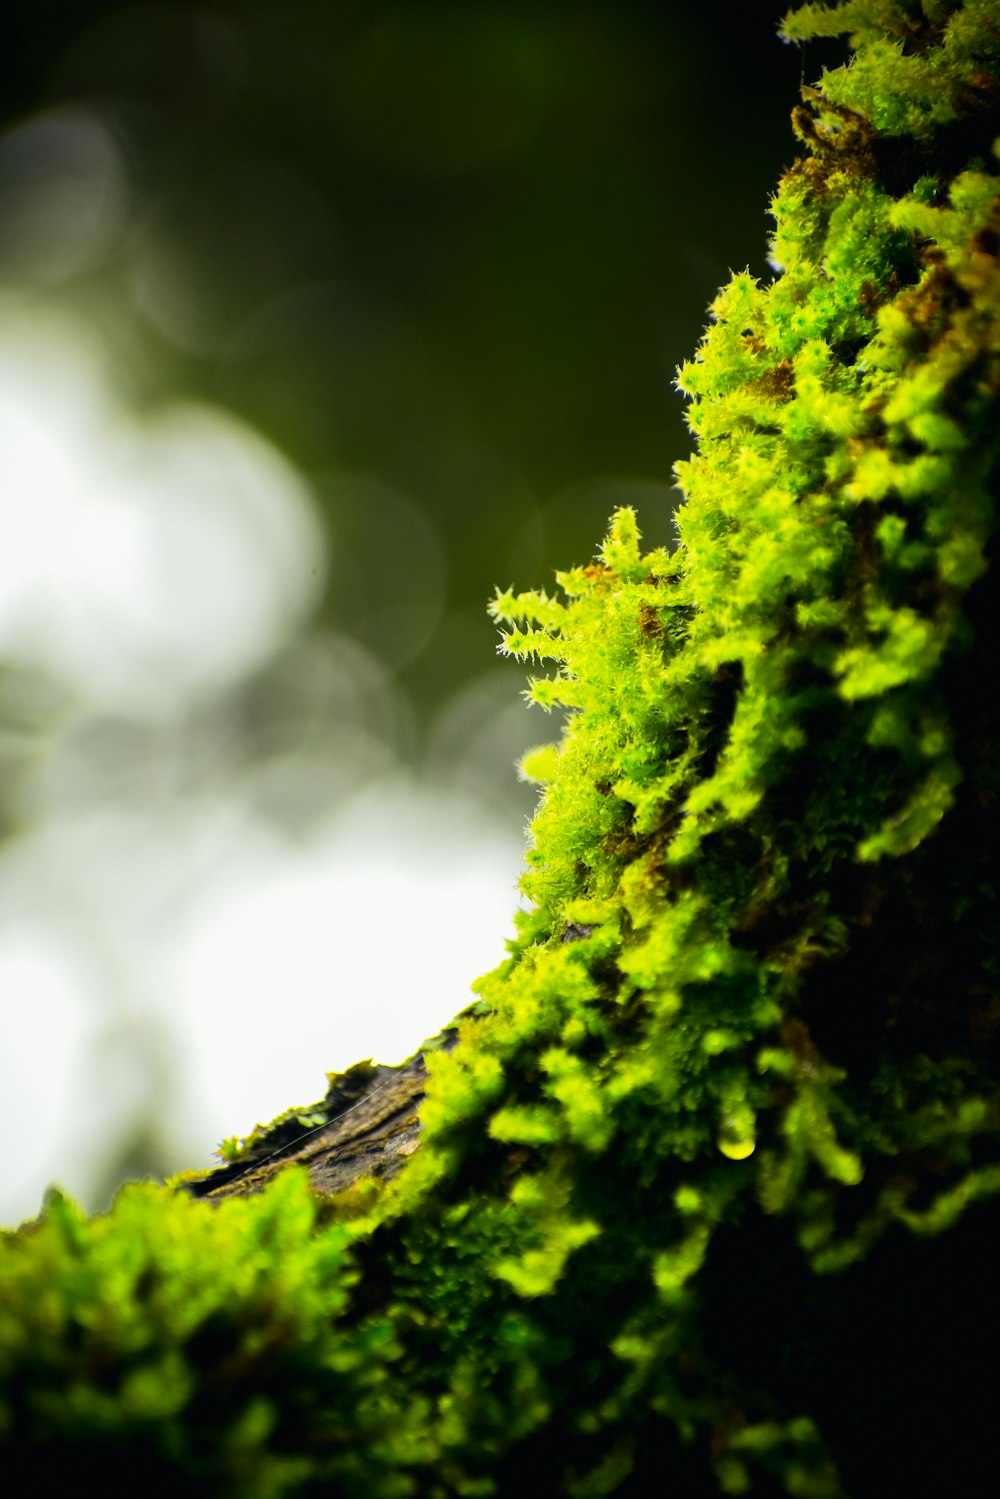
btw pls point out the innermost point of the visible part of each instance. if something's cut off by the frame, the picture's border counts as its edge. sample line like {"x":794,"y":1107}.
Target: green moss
{"x":174,"y":1337}
{"x":708,"y":1188}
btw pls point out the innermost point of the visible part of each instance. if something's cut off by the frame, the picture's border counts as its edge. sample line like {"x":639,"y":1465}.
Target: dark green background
{"x":445,"y":254}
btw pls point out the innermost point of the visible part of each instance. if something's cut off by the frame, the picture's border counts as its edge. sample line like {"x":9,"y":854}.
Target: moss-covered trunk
{"x":707,"y":1190}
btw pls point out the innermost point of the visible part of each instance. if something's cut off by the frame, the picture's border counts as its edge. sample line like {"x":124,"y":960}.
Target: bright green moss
{"x":916,"y":64}
{"x":708,"y":1191}
{"x":196,"y":1341}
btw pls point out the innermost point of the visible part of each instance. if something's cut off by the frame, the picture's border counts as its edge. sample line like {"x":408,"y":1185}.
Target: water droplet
{"x":736,"y":1149}
{"x":736,"y":1135}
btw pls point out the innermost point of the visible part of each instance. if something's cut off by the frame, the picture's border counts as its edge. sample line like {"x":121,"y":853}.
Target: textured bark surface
{"x":372,"y":1126}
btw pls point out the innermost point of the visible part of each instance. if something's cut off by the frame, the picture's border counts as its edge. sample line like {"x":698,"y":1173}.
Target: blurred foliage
{"x":446,"y":256}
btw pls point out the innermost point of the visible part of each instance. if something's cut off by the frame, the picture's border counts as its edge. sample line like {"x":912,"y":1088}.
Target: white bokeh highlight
{"x":361,"y":945}
{"x":162,"y":943}
{"x":144,"y":562}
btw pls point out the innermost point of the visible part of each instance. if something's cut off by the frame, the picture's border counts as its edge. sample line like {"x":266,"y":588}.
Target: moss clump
{"x":169,"y":1338}
{"x":708,"y":1198}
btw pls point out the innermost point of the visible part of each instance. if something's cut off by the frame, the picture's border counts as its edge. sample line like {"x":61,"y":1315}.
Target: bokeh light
{"x":317,"y":323}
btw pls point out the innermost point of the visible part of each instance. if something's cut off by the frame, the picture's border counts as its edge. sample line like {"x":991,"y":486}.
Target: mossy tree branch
{"x":707,"y":1188}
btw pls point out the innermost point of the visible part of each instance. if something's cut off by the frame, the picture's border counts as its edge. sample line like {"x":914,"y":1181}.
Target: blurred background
{"x":319,"y":319}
